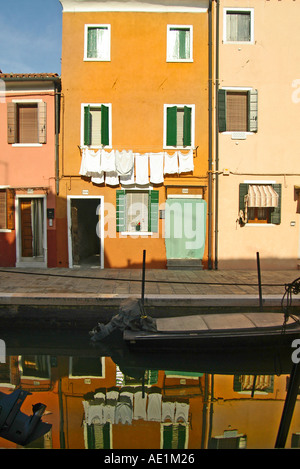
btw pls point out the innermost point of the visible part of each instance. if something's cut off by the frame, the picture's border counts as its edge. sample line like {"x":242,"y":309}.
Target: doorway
{"x":85,"y":231}
{"x":31,"y":231}
{"x":185,"y":228}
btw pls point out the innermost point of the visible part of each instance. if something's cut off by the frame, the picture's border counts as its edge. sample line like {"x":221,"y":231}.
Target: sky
{"x":30,"y":36}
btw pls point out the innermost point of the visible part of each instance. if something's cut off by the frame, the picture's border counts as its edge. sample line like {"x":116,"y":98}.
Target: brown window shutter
{"x":28,"y":123}
{"x":42,"y":116}
{"x":2,"y":210}
{"x":237,"y":111}
{"x":10,"y":209}
{"x":11,"y":123}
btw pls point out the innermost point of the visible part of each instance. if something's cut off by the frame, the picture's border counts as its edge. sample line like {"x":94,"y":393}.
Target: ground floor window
{"x":260,"y":203}
{"x":7,"y":209}
{"x":137,"y":211}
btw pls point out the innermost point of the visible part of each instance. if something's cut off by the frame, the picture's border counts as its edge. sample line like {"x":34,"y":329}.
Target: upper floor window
{"x":237,"y":110}
{"x":179,"y":126}
{"x":179,"y":43}
{"x":26,"y":122}
{"x":97,"y":42}
{"x":238,"y":25}
{"x":96,"y":129}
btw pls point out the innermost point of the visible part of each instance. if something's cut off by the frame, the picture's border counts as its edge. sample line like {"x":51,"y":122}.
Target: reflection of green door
{"x":185,"y":228}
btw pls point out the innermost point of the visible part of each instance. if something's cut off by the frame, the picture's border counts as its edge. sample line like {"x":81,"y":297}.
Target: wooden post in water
{"x":143,"y":276}
{"x":259,"y":282}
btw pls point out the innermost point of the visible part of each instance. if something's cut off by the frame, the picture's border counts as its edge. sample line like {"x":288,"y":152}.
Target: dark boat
{"x":224,"y":330}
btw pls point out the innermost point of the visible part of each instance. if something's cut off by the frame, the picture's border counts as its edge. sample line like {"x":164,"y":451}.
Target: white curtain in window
{"x":102,"y":43}
{"x":37,"y":227}
{"x":137,"y":211}
{"x":178,"y":44}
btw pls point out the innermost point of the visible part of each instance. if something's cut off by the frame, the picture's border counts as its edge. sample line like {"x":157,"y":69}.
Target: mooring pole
{"x":259,"y":282}
{"x":143,"y":276}
{"x":289,"y":406}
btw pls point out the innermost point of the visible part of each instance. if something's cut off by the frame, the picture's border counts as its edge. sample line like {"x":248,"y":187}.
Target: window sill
{"x":5,"y":230}
{"x":261,"y":224}
{"x":27,"y":145}
{"x":180,"y":61}
{"x":94,"y":59}
{"x":136,"y":233}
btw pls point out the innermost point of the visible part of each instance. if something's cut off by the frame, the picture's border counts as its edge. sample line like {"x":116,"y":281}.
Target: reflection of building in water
{"x":92,"y":403}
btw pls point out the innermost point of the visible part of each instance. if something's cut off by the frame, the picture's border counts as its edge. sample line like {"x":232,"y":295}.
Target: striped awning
{"x":261,"y":196}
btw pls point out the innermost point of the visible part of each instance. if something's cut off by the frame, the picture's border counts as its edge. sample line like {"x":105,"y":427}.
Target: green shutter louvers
{"x":172,"y":126}
{"x":87,"y":126}
{"x":187,"y":126}
{"x":104,"y":125}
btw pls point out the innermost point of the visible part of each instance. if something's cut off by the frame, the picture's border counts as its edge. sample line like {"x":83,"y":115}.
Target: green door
{"x":185,"y":228}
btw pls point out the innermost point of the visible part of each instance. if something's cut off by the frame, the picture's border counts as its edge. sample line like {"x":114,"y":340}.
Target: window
{"x":179,"y":43}
{"x":237,"y":110}
{"x":260,"y":203}
{"x":26,"y":122}
{"x":96,"y":125}
{"x":238,"y":25}
{"x":97,"y":42}
{"x":179,"y":126}
{"x":137,"y":211}
{"x":7,"y":209}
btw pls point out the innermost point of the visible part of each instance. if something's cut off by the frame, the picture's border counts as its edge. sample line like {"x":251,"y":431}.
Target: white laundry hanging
{"x":108,"y":161}
{"x":128,"y":179}
{"x":98,"y":180}
{"x":168,"y":411}
{"x":156,"y":168}
{"x":181,"y":412}
{"x":142,"y":169}
{"x":154,"y":407}
{"x":112,"y":178}
{"x":140,"y":404}
{"x":83,"y":166}
{"x":124,"y":162}
{"x":186,"y":162}
{"x":93,"y":163}
{"x":171,"y":163}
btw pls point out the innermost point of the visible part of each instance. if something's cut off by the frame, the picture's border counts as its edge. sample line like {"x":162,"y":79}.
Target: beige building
{"x":257,"y":165}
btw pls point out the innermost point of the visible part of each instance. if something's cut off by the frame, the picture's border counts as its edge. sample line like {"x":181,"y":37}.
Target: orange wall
{"x":137,"y":82}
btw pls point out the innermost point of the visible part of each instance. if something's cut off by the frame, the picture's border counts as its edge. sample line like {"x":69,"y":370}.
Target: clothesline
{"x":128,"y":167}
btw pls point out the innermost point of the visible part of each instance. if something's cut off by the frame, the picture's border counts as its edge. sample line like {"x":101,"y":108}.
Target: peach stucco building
{"x":257,"y":153}
{"x":135,"y":149}
{"x":28,"y":176}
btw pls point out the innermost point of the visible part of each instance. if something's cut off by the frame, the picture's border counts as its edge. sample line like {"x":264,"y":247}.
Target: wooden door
{"x":26,"y":228}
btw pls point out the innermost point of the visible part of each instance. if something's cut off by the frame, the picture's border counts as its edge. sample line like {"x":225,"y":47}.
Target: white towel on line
{"x":168,"y":411}
{"x":108,"y":161}
{"x":154,"y":407}
{"x":124,"y":162}
{"x":156,"y":168}
{"x":93,"y":163}
{"x":140,"y":404}
{"x":186,"y":162}
{"x":112,"y":178}
{"x":171,"y":163}
{"x":142,"y":169}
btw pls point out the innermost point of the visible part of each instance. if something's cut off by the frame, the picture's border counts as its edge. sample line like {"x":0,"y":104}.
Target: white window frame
{"x":192,"y":106}
{"x":180,"y":26}
{"x":137,"y":233}
{"x":237,"y":10}
{"x":95,"y":105}
{"x":107,"y":53}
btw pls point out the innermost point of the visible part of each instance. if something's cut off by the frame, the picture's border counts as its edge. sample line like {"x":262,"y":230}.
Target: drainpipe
{"x":57,"y":126}
{"x":217,"y":133}
{"x":210,"y":114}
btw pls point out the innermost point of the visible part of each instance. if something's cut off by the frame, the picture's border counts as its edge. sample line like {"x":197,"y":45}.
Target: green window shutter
{"x":187,"y":126}
{"x":121,"y":210}
{"x":243,"y":190}
{"x":222,"y":110}
{"x":87,"y":125}
{"x":153,"y":211}
{"x":276,"y":214}
{"x":252,"y":110}
{"x":172,"y":126}
{"x":104,"y":125}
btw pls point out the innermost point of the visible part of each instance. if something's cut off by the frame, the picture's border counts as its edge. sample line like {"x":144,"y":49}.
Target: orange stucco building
{"x":134,"y":151}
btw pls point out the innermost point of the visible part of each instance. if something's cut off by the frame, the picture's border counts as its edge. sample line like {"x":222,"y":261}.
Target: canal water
{"x":105,"y":396}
